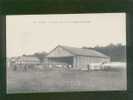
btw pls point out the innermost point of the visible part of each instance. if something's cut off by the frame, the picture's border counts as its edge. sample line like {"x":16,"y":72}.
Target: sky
{"x":27,"y":34}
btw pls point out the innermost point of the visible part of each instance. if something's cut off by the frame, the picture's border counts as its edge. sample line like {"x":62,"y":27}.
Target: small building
{"x":27,"y":60}
{"x":24,"y":62}
{"x":75,"y":58}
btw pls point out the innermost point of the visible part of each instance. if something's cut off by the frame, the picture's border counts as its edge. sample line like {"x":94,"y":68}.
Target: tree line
{"x":116,"y":52}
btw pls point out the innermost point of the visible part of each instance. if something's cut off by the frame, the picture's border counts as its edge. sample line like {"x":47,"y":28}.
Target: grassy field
{"x":49,"y":81}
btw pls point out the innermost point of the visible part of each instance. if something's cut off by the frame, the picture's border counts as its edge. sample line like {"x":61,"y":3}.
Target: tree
{"x":40,"y":56}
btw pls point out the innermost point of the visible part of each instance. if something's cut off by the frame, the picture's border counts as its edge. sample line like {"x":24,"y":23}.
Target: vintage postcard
{"x":66,"y":52}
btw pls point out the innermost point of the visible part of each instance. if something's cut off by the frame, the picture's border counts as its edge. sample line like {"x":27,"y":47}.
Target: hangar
{"x":75,"y":58}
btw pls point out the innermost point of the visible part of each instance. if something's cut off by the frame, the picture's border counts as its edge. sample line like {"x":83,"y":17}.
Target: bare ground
{"x":57,"y":81}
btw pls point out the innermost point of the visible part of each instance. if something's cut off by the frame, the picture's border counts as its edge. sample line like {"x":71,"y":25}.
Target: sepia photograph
{"x":66,"y":52}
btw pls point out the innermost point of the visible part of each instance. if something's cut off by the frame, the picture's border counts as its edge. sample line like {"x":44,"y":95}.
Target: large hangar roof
{"x":84,"y":52}
{"x":81,"y":51}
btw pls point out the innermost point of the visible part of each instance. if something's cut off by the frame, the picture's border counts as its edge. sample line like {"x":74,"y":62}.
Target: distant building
{"x":75,"y":58}
{"x":27,"y":60}
{"x":24,"y":60}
